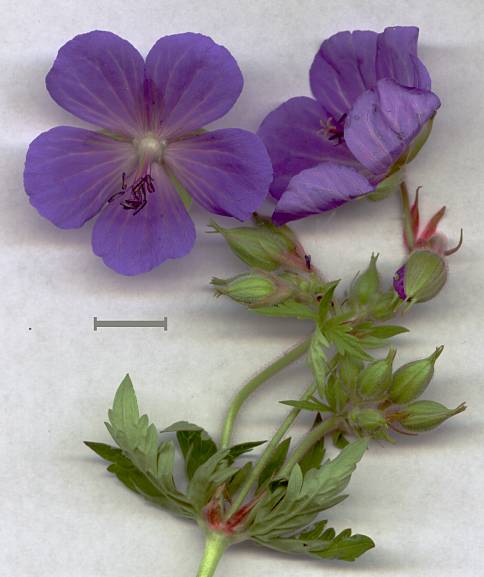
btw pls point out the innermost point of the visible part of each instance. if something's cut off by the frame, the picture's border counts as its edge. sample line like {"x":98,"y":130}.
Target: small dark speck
{"x":30,"y":328}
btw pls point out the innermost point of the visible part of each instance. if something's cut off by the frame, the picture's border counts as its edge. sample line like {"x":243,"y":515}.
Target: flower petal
{"x":131,"y":243}
{"x":227,"y":171}
{"x":294,"y":136}
{"x":319,"y":189}
{"x":70,"y":173}
{"x":348,"y":63}
{"x":384,"y":121}
{"x":342,"y":69}
{"x":99,"y":77}
{"x":397,"y":57}
{"x":197,"y":80}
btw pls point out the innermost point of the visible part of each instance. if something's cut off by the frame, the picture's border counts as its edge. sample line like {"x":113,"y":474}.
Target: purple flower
{"x":372,"y":99}
{"x":150,"y":151}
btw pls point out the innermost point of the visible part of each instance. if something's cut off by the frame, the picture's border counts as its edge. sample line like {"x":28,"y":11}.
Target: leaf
{"x":339,"y":440}
{"x":345,"y":547}
{"x":346,"y":343}
{"x":326,"y":300}
{"x":242,"y":448}
{"x":293,"y":508}
{"x":195,"y":444}
{"x":276,"y":461}
{"x":315,"y":455}
{"x":288,"y":308}
{"x":239,"y":478}
{"x":308,"y":405}
{"x":317,"y":357}
{"x":213,"y":472}
{"x":142,"y":463}
{"x":106,"y":452}
{"x":387,"y":331}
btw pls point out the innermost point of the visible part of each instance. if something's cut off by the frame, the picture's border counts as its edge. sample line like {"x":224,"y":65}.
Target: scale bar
{"x":162,"y":324}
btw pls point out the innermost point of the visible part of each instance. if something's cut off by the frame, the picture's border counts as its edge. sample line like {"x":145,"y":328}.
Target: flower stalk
{"x":249,"y":388}
{"x":215,"y":545}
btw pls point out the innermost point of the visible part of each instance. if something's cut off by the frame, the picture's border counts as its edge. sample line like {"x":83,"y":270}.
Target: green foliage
{"x":275,"y":463}
{"x":195,"y":444}
{"x":321,"y":543}
{"x":291,"y":508}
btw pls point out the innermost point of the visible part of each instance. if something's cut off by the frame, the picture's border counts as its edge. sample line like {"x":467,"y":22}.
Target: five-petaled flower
{"x":151,"y":151}
{"x":371,"y":100}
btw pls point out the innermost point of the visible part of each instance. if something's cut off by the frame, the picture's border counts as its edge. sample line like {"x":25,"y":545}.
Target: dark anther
{"x":138,"y":191}
{"x":124,"y":186}
{"x":333,"y":130}
{"x":307,"y":258}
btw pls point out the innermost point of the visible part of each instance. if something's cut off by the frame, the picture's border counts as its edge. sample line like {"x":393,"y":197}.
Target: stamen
{"x":138,"y":199}
{"x":333,"y":129}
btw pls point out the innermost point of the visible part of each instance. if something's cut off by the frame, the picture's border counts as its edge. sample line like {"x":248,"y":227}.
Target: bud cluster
{"x":372,"y":398}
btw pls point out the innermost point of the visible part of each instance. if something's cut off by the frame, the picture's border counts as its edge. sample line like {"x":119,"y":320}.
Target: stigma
{"x":150,"y":148}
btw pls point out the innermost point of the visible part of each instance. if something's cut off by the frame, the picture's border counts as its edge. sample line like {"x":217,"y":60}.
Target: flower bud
{"x":384,"y":307}
{"x":255,"y":289}
{"x":265,"y":246}
{"x":368,"y":420}
{"x":421,"y":277}
{"x":411,"y":380}
{"x":349,"y":369}
{"x":366,"y":286}
{"x":426,"y":415}
{"x":375,"y":379}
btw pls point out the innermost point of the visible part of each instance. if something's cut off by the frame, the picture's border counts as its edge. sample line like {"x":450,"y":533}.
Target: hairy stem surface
{"x":215,"y":545}
{"x":281,"y":363}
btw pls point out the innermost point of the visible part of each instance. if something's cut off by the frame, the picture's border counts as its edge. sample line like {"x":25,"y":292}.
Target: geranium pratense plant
{"x":151,"y":156}
{"x":371,"y":112}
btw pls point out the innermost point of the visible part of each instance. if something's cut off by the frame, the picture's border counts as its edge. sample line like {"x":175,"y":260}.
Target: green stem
{"x":267,"y":454}
{"x":215,"y":545}
{"x":407,"y":220}
{"x":281,"y":363}
{"x":309,"y":440}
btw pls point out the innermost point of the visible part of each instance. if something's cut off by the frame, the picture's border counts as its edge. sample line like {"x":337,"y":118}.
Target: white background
{"x":61,"y":513}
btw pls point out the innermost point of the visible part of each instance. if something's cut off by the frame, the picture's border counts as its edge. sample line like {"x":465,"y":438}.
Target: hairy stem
{"x":215,"y":545}
{"x":281,"y":363}
{"x":267,"y":454}
{"x":309,"y":440}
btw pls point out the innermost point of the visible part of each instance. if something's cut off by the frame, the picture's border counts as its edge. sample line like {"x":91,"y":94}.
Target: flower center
{"x":333,"y":130}
{"x":150,"y":148}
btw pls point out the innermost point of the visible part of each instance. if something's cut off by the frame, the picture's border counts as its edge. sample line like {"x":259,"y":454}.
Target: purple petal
{"x":342,"y":69}
{"x":131,"y":243}
{"x":384,"y":121}
{"x":70,"y":173}
{"x":397,"y":57}
{"x":294,"y":136}
{"x":349,"y":63}
{"x":319,"y":189}
{"x":198,"y":81}
{"x":227,"y":171}
{"x":99,"y":77}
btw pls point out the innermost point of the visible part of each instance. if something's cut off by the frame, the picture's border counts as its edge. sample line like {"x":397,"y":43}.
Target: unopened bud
{"x":368,"y":420}
{"x":253,"y":289}
{"x":422,"y":277}
{"x":426,"y":415}
{"x":411,"y":380}
{"x":375,"y":379}
{"x":264,"y":247}
{"x":384,"y":307}
{"x":349,"y":369}
{"x":366,"y":287}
